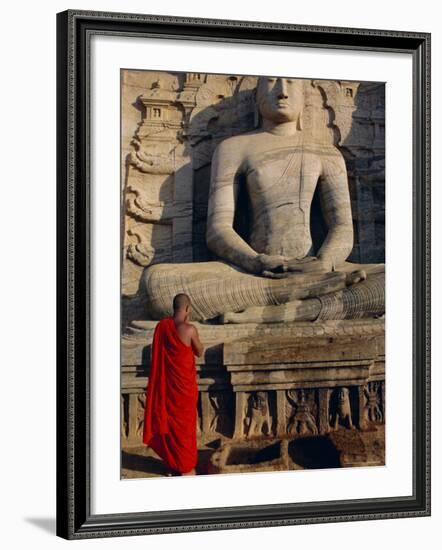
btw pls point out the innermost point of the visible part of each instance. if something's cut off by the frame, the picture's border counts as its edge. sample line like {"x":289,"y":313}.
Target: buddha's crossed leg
{"x":219,"y":290}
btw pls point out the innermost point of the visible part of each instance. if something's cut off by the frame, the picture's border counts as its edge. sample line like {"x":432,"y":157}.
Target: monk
{"x":172,"y":393}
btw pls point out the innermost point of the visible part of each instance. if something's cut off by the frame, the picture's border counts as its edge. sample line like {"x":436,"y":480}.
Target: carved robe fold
{"x":171,"y":399}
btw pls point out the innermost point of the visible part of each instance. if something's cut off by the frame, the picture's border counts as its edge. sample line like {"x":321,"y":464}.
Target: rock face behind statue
{"x":275,"y":275}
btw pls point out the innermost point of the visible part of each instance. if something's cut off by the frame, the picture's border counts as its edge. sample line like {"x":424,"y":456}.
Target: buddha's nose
{"x":282,"y":92}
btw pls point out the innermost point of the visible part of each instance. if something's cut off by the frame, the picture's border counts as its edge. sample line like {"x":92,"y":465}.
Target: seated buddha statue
{"x":275,"y":275}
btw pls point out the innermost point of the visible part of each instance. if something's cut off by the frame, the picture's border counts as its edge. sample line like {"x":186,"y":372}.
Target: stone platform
{"x":340,"y":449}
{"x":280,"y":381}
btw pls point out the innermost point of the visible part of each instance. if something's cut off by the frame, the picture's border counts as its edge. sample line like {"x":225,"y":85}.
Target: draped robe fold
{"x":171,"y":399}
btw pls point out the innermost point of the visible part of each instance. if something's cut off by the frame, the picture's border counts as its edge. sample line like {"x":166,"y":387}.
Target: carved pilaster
{"x":324,"y":410}
{"x":133,"y":435}
{"x":206,"y":412}
{"x":240,"y":412}
{"x":281,"y":418}
{"x":363,"y":420}
{"x":383,"y":405}
{"x":124,"y":415}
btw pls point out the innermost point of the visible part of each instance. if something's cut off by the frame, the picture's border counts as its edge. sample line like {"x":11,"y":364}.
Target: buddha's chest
{"x":283,"y":174}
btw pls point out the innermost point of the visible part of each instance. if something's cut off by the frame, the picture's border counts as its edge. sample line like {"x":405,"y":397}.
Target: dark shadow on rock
{"x":314,"y":452}
{"x":151,"y":465}
{"x":241,"y":454}
{"x":364,"y":153}
{"x":145,"y":356}
{"x":204,"y":455}
{"x":140,"y":463}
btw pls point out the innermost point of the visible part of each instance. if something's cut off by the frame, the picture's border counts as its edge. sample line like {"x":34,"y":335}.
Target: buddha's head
{"x":280,"y":99}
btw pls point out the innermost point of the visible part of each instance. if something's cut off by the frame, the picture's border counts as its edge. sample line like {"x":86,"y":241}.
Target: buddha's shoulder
{"x":313,"y":148}
{"x":238,"y":143}
{"x":323,"y":154}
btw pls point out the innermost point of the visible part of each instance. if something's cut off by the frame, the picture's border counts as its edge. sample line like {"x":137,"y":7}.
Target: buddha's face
{"x":279,"y":99}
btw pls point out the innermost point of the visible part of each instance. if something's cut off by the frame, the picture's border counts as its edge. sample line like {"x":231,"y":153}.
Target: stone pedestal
{"x":303,"y":386}
{"x":264,"y":381}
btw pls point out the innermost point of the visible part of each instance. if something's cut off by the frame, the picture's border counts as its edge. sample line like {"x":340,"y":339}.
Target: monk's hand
{"x":273,"y":266}
{"x":309,"y":264}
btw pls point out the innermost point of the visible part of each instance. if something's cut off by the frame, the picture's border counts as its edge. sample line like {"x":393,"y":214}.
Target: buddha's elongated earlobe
{"x":300,"y":122}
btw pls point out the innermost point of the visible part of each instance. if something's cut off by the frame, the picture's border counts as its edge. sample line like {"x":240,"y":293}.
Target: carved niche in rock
{"x":221,"y":421}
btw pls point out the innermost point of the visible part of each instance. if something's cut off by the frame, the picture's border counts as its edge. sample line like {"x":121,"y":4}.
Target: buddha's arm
{"x":221,"y":238}
{"x":336,"y":209}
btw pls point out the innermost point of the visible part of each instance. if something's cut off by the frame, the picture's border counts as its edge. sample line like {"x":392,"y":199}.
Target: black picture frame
{"x":74,"y":518}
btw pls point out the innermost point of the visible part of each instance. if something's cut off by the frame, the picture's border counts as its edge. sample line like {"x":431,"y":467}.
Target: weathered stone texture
{"x":264,"y":386}
{"x":282,"y":382}
{"x":171,"y":125}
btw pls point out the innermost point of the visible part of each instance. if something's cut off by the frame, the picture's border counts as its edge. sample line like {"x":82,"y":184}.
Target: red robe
{"x":171,"y":399}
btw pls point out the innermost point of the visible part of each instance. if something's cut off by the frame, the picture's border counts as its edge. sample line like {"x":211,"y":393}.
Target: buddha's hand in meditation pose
{"x":309,"y":264}
{"x":273,"y":266}
{"x":277,"y":267}
{"x":313,"y":264}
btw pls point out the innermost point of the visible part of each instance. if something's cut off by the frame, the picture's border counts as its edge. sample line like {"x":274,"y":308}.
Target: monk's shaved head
{"x":181,"y":301}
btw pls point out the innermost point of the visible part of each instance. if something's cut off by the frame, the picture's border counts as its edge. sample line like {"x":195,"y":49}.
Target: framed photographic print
{"x":243,"y":274}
